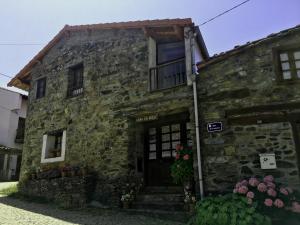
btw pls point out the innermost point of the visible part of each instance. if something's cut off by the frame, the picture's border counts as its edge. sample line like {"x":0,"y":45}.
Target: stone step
{"x":163,"y":189}
{"x":178,"y":216}
{"x":152,"y":197}
{"x":168,"y":206}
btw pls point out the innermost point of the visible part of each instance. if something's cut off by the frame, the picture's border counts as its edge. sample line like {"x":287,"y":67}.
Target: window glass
{"x":166,"y":154}
{"x":284,"y":57}
{"x":297,"y":55}
{"x":167,"y":52}
{"x":287,"y":75}
{"x":75,"y":85}
{"x":298,"y":73}
{"x":41,"y":88}
{"x":297,"y":64}
{"x":285,"y":66}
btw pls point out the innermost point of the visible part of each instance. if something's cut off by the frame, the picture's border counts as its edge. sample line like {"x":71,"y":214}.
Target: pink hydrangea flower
{"x":235,"y":190}
{"x":253,"y":182}
{"x":279,"y":203}
{"x":250,"y":201}
{"x":186,"y":157}
{"x":244,"y":182}
{"x":271,"y":185}
{"x":178,"y":147}
{"x":238,"y":184}
{"x":268,"y":178}
{"x":262,"y":187}
{"x":284,"y":191}
{"x":242,"y":190}
{"x":296,"y":207}
{"x":268,"y":202}
{"x":250,"y":195}
{"x":271,"y":192}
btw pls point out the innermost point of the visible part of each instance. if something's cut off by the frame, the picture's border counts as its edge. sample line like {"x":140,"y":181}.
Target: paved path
{"x":19,"y":212}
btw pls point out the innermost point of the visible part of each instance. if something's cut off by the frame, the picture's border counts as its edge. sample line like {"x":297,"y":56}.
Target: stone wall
{"x":67,"y":192}
{"x":100,"y":125}
{"x":259,"y":115}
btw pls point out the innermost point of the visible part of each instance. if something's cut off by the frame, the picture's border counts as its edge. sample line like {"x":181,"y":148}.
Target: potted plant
{"x":126,"y":199}
{"x":65,"y":170}
{"x":182,"y":169}
{"x":190,"y":202}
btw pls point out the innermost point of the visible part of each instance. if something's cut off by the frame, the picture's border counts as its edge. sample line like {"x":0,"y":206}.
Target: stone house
{"x":119,"y":97}
{"x":113,"y":97}
{"x":254,"y":91}
{"x":13,"y":108}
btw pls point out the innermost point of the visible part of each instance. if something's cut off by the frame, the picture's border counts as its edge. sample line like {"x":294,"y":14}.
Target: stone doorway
{"x":161,"y":138}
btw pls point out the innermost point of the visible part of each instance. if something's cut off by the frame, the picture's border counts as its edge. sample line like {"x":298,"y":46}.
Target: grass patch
{"x":10,"y":191}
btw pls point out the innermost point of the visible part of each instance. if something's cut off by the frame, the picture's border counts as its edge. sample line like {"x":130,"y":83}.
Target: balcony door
{"x":170,"y":69}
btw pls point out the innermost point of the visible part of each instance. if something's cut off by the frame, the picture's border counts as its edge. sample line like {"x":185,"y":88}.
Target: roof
{"x":20,"y":92}
{"x":21,"y":79}
{"x":240,"y":48}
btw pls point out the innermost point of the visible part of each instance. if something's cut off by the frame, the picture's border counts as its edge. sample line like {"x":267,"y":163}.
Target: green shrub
{"x":228,"y":210}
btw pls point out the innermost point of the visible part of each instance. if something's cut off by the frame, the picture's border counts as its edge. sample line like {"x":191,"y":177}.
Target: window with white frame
{"x":289,"y":64}
{"x":54,"y":146}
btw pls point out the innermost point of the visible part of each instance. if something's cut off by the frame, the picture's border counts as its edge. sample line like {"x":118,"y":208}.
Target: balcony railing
{"x":168,"y":75}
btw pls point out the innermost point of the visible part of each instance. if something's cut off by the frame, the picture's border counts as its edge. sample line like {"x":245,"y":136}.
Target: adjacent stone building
{"x":254,"y":91}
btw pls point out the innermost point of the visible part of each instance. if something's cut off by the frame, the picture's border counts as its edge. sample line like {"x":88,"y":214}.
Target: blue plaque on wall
{"x":214,"y":127}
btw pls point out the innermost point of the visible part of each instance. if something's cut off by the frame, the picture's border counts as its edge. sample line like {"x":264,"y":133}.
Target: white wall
{"x":12,"y":106}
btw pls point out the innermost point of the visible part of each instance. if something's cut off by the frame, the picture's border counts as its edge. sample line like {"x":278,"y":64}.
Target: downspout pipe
{"x":193,"y":76}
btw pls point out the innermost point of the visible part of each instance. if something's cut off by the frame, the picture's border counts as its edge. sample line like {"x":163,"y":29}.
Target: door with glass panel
{"x":160,"y":144}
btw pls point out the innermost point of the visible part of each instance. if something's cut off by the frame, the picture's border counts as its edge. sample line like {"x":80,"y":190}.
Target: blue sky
{"x":36,"y":21}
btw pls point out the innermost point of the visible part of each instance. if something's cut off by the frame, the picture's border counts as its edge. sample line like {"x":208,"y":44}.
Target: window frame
{"x":75,"y":81}
{"x":45,"y":146}
{"x":289,"y":49}
{"x":41,"y":81}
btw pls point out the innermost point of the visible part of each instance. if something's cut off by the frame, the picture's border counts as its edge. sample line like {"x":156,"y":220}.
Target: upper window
{"x":170,"y":69}
{"x":75,"y":82}
{"x":290,"y":64}
{"x":41,"y":87}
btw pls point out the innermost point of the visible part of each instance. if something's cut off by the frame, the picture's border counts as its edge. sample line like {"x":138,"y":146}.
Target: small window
{"x":289,"y":64}
{"x":53,"y":149}
{"x":41,"y":88}
{"x":75,"y":81}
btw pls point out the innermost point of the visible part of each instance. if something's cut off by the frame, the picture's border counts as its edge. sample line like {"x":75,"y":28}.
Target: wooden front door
{"x":160,"y":143}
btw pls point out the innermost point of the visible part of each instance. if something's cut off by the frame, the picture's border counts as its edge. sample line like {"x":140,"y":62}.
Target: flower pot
{"x":83,"y":172}
{"x":126,"y":205}
{"x":191,"y":208}
{"x":73,"y":173}
{"x":33,"y":176}
{"x":63,"y":174}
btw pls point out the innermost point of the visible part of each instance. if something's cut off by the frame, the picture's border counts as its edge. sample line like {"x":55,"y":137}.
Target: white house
{"x":13,"y":107}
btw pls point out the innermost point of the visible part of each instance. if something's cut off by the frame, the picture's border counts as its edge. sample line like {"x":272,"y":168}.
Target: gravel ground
{"x":18,"y":212}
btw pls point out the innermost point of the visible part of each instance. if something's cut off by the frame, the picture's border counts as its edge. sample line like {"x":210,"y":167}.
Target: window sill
{"x":51,"y":160}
